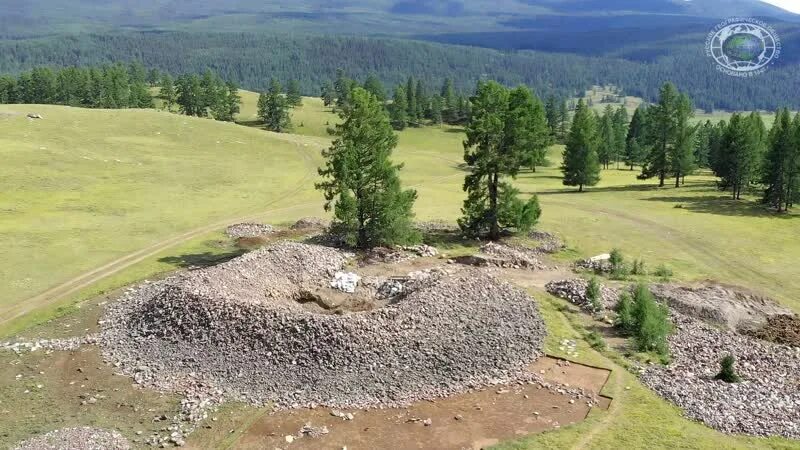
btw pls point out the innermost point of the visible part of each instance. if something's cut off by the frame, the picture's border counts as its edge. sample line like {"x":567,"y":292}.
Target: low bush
{"x":727,"y":372}
{"x":663,"y":271}
{"x":594,"y":295}
{"x":646,"y":321}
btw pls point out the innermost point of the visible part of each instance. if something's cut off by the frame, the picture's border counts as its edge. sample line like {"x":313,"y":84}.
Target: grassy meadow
{"x":137,"y":193}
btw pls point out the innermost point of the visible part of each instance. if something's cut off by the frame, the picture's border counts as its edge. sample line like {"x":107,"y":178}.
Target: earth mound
{"x":84,"y":438}
{"x":243,"y":328}
{"x":732,"y":307}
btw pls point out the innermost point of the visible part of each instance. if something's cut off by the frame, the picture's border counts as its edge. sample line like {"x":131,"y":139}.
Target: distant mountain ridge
{"x":32,"y":17}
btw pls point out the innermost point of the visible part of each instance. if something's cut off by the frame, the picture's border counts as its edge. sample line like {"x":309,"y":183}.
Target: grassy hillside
{"x":83,"y":188}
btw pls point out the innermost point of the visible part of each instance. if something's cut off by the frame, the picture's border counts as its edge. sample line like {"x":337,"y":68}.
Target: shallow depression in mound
{"x":239,"y":327}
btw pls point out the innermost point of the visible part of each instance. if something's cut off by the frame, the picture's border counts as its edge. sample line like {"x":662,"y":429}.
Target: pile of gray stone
{"x":249,"y":230}
{"x":765,"y":403}
{"x":574,"y":291}
{"x":237,"y":327}
{"x":510,"y":256}
{"x":597,"y":264}
{"x":310,"y":223}
{"x":84,"y":438}
{"x":548,"y":242}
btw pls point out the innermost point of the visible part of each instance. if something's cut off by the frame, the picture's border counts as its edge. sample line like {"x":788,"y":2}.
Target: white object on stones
{"x":345,"y":282}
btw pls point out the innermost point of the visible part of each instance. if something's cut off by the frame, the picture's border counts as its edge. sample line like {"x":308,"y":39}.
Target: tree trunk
{"x":494,"y":230}
{"x":678,"y":180}
{"x":661,"y":177}
{"x":580,"y":188}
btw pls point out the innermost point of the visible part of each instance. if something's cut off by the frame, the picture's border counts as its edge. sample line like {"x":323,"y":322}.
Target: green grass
{"x":64,"y":214}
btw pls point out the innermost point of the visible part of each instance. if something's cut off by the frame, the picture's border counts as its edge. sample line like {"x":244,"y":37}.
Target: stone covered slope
{"x":237,"y":327}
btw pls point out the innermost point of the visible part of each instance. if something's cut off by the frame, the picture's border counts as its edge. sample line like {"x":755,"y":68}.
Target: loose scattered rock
{"x":574,"y":291}
{"x":598,"y":264}
{"x":35,"y":116}
{"x":765,"y":403}
{"x":249,"y":230}
{"x":83,"y":438}
{"x":548,"y":242}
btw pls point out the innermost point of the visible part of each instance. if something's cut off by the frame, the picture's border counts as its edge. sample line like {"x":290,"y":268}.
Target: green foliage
{"x":361,"y":183}
{"x":515,"y":214}
{"x":167,"y":92}
{"x":595,"y":340}
{"x":618,"y":268}
{"x":651,"y":322}
{"x":727,"y":372}
{"x":328,"y":94}
{"x":293,"y":96}
{"x":504,"y":127}
{"x":581,"y":165}
{"x":670,"y":138}
{"x":740,"y":152}
{"x":638,"y":267}
{"x":625,"y":314}
{"x":374,"y":86}
{"x":273,"y":109}
{"x":781,"y":170}
{"x":662,"y":271}
{"x":399,"y":109}
{"x":594,"y":295}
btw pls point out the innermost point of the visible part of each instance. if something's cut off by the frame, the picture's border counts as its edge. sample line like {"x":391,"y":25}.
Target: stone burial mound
{"x":244,"y":328}
{"x":249,"y":230}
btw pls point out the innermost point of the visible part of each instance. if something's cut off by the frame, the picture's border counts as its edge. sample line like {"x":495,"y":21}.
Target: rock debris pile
{"x":780,"y":329}
{"x":249,"y":230}
{"x":548,"y":242}
{"x":308,"y":223}
{"x":766,"y":402}
{"x":731,"y":307}
{"x":575,"y":292}
{"x":504,"y":256}
{"x":239,"y":327}
{"x":84,"y":438}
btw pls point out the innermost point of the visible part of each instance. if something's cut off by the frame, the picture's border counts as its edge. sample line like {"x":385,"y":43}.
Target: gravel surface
{"x":83,"y":438}
{"x":766,"y":402}
{"x":574,"y":291}
{"x":238,"y":327}
{"x":514,"y":256}
{"x":249,"y":230}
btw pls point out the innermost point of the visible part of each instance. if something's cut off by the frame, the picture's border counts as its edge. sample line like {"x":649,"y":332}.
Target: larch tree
{"x":167,"y":92}
{"x":782,"y":162}
{"x":293,"y":96}
{"x":399,"y":108}
{"x":528,"y":129}
{"x":620,"y":133}
{"x":581,"y":165}
{"x":741,"y":143}
{"x":361,"y":184}
{"x":607,"y":144}
{"x":273,"y":109}
{"x":498,"y":135}
{"x":635,"y":139}
{"x":681,"y":152}
{"x":374,"y":86}
{"x":662,"y":129}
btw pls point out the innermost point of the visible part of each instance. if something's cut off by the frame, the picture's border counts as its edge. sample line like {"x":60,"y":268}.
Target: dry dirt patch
{"x":466,"y":421}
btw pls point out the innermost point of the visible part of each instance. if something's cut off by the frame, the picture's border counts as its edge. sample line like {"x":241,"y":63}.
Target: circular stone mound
{"x":249,"y":230}
{"x":84,"y":438}
{"x":240,"y":328}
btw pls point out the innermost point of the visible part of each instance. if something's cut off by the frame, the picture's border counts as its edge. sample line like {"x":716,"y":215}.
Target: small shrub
{"x":593,"y":294}
{"x":638,"y":267}
{"x":625,"y":320}
{"x":619,"y":270}
{"x":651,"y":322}
{"x":663,"y":271}
{"x":727,"y":372}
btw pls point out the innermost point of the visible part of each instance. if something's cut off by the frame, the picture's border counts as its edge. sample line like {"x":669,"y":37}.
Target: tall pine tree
{"x":581,"y":165}
{"x":361,"y":183}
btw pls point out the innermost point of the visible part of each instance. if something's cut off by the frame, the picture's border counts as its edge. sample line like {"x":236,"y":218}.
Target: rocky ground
{"x":249,"y":230}
{"x":548,"y":242}
{"x":780,"y":329}
{"x":766,"y":402}
{"x":726,"y":306}
{"x":237,"y":327}
{"x":574,"y":291}
{"x":83,"y":438}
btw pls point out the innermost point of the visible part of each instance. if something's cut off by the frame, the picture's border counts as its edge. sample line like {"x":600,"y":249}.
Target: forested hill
{"x":251,"y":59}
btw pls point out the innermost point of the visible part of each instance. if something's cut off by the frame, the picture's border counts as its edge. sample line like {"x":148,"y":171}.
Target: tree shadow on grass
{"x":722,"y":205}
{"x":201,"y":260}
{"x":455,"y":130}
{"x":589,"y":190}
